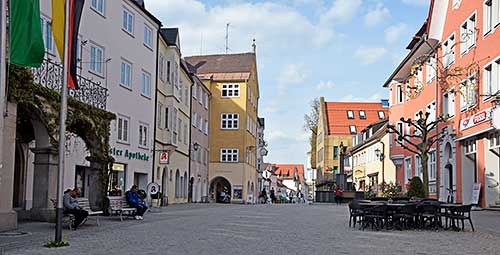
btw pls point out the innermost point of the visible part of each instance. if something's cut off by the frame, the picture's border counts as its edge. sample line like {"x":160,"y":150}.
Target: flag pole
{"x":3,"y":70}
{"x":62,"y":124}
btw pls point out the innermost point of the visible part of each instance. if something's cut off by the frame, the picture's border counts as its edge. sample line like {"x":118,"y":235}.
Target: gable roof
{"x":287,"y":170}
{"x":338,"y":123}
{"x":171,"y":36}
{"x":223,"y":63}
{"x":142,"y":7}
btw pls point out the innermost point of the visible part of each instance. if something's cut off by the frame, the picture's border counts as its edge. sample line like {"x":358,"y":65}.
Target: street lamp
{"x":342,"y":174}
{"x":381,"y":156}
{"x":196,"y":146}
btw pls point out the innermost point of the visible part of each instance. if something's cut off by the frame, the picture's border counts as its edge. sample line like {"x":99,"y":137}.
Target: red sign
{"x":480,"y":117}
{"x":164,"y":157}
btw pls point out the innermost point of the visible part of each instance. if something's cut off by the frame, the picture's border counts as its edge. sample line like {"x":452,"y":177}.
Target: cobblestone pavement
{"x":252,"y":229}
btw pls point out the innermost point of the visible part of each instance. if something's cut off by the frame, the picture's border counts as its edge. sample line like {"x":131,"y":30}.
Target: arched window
{"x":184,"y":188}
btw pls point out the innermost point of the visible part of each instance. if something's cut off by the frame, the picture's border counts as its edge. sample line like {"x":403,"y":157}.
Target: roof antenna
{"x":227,"y":37}
{"x":254,"y":46}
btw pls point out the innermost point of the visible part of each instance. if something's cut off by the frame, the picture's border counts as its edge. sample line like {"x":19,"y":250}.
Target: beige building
{"x":172,"y":119}
{"x":371,"y":165}
{"x":233,"y":82}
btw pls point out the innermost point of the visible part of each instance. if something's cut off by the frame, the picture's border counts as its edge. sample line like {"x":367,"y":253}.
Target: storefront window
{"x":117,"y":180}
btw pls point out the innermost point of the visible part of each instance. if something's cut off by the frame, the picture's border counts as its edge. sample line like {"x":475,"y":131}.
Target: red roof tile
{"x":287,"y":170}
{"x":338,"y":122}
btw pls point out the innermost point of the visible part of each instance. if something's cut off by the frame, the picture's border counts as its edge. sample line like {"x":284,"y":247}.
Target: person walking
{"x":71,"y":206}
{"x":135,"y":201}
{"x":338,"y":195}
{"x":273,"y":196}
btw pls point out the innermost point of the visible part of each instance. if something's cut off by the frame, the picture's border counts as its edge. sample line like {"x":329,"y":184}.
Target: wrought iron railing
{"x":90,"y":92}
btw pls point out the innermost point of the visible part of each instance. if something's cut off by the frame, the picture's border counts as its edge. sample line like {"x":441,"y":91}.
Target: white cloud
{"x":351,"y":98}
{"x":422,"y":3}
{"x":341,"y":10}
{"x":292,"y":74}
{"x":326,"y":85}
{"x":369,"y":56}
{"x":377,"y":15}
{"x":269,"y":22}
{"x":394,"y":32}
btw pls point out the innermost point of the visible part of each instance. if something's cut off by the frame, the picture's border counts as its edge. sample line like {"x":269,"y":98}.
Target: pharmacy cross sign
{"x":164,"y":157}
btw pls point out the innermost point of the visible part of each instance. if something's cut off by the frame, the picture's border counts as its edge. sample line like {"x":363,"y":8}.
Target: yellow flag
{"x":58,"y":25}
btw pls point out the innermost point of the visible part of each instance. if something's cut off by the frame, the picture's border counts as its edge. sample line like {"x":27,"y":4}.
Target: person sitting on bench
{"x":135,"y":201}
{"x":71,"y":207}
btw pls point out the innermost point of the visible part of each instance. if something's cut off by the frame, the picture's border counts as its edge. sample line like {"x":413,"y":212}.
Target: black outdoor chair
{"x":460,"y":214}
{"x":355,"y":213}
{"x":375,"y":216}
{"x":405,"y":218}
{"x":429,"y":215}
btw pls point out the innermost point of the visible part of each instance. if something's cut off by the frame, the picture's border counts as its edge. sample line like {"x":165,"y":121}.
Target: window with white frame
{"x":195,"y":90}
{"x":352,"y":129}
{"x":205,"y":100}
{"x":229,"y":155}
{"x":179,"y":120}
{"x":193,"y":121}
{"x":362,"y":115}
{"x":128,"y":21}
{"x":449,"y":51}
{"x":350,"y":114}
{"x":401,"y":131}
{"x":186,"y":96}
{"x":48,"y":39}
{"x":432,"y":172}
{"x":418,"y":166}
{"x":174,"y":126}
{"x":230,"y":90}
{"x":491,"y":17}
{"x":468,"y":93}
{"x":229,"y":120}
{"x":431,"y":109}
{"x":143,"y":135}
{"x":126,"y":74}
{"x":399,"y":94}
{"x":491,"y":79}
{"x":146,"y":84}
{"x":96,"y":59}
{"x":205,"y":127}
{"x":199,"y":122}
{"x":494,"y":141}
{"x":407,"y":168}
{"x":449,"y":103}
{"x":122,"y":128}
{"x":468,"y":34}
{"x":430,"y":68}
{"x":161,"y":67}
{"x":160,"y":116}
{"x":168,"y":71}
{"x":381,"y":115}
{"x":167,"y":117}
{"x":456,"y":4}
{"x":416,"y":119}
{"x":148,"y":37}
{"x":98,"y":6}
{"x":470,"y":146}
{"x":200,"y":91}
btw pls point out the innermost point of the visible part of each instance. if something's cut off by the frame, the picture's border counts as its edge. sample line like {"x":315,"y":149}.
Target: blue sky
{"x":340,"y":49}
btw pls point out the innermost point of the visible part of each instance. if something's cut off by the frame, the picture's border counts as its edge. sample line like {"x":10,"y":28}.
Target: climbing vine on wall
{"x":91,"y":124}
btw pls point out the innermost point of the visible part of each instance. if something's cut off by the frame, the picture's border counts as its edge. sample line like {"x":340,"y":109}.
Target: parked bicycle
{"x":451,"y":196}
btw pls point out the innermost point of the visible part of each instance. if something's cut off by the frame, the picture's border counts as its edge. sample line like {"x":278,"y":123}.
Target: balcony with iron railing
{"x":90,"y":92}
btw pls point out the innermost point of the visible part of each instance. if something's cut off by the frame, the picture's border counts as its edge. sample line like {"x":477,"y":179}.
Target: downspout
{"x":156,"y":106}
{"x":190,"y":125}
{"x":383,"y":161}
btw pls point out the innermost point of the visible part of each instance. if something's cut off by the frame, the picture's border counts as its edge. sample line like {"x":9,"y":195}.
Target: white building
{"x":117,"y":50}
{"x":261,"y":152}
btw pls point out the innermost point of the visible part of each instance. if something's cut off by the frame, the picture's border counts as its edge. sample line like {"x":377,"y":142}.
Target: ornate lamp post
{"x":342,"y":179}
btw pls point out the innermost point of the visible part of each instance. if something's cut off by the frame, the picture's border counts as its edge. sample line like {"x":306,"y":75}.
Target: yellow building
{"x":338,"y":123}
{"x":371,"y":165}
{"x":233,"y":82}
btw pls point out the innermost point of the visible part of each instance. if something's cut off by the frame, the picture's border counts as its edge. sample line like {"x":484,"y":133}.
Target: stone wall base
{"x":43,"y":214}
{"x":8,"y":221}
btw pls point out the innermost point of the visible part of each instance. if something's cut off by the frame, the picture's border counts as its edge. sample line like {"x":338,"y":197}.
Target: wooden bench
{"x":119,"y":206}
{"x":67,"y":218}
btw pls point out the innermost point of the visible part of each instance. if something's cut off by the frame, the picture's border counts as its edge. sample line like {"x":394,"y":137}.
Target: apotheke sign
{"x":476,"y":119}
{"x":130,"y":155}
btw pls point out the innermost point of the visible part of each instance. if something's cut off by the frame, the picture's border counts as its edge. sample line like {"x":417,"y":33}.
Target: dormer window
{"x":381,"y":115}
{"x":352,"y":129}
{"x":362,"y":115}
{"x":350,"y":115}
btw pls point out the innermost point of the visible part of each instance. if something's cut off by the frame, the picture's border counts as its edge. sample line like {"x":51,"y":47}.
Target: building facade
{"x":371,"y":166}
{"x":290,"y":175}
{"x":461,"y":40}
{"x":261,"y":152}
{"x":200,"y":119}
{"x":338,"y":122}
{"x":233,"y":82}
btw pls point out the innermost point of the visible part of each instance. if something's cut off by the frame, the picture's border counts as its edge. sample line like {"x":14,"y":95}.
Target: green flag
{"x":26,"y":41}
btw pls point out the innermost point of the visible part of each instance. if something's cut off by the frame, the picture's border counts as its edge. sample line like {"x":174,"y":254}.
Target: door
{"x":407,"y":169}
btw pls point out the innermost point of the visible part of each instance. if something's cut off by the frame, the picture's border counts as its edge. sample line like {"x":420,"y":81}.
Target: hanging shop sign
{"x":164,"y":157}
{"x":476,"y":119}
{"x":130,"y":155}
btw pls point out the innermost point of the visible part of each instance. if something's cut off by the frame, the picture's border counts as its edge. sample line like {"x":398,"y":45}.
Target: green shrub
{"x":416,"y":188}
{"x":391,"y":190}
{"x":55,"y":244}
{"x":369,"y":194}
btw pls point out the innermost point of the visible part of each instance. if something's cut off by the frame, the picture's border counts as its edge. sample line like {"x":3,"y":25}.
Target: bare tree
{"x":311,"y":120}
{"x":421,"y":140}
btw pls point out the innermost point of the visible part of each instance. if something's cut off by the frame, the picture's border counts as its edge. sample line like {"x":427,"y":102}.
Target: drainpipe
{"x":155,"y":107}
{"x":382,"y":159}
